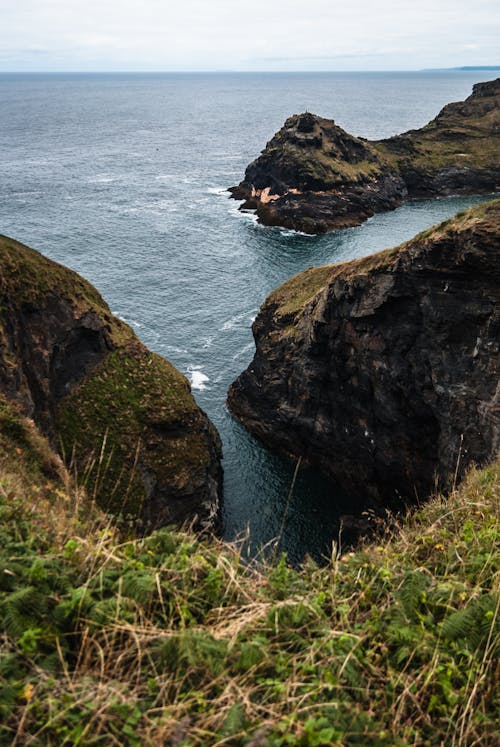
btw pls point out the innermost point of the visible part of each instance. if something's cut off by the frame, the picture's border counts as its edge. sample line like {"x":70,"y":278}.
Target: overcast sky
{"x":94,"y":35}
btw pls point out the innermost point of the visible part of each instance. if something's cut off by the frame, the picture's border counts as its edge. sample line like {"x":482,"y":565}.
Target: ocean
{"x":122,"y":177}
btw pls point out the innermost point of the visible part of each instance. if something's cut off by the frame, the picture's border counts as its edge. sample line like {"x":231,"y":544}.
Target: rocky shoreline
{"x":383,"y":372}
{"x":314,"y":177}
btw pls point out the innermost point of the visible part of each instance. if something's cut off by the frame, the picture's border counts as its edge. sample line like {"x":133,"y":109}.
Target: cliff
{"x":314,"y":177}
{"x":121,"y":415}
{"x":383,"y":371}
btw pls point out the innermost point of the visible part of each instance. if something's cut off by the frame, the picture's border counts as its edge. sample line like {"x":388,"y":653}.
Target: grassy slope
{"x":120,"y":411}
{"x":291,"y":297}
{"x":174,"y":640}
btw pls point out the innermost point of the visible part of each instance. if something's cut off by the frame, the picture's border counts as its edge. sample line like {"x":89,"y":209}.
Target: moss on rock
{"x":124,"y":416}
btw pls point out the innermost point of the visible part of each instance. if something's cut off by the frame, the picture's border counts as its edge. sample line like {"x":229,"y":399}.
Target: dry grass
{"x":177,"y":640}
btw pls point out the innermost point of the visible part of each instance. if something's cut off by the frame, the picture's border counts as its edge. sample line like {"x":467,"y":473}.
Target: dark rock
{"x":122,"y":415}
{"x":314,"y":177}
{"x":384,"y":371}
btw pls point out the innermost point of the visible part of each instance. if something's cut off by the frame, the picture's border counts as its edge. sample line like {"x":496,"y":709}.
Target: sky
{"x":246,"y":35}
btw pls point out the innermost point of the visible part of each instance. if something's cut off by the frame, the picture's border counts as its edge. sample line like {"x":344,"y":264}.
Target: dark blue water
{"x":122,"y":178}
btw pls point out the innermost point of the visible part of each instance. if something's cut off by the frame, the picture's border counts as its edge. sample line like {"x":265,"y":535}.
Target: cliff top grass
{"x":290,"y":298}
{"x":177,"y":640}
{"x":463,"y":134}
{"x":324,"y":157}
{"x":29,"y":278}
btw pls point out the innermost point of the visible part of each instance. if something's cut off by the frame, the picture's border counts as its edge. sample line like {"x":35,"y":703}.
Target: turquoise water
{"x":122,"y":178}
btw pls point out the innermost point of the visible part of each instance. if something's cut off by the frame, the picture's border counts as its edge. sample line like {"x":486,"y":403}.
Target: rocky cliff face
{"x":123,"y":415}
{"x":384,"y":371}
{"x":313,"y":176}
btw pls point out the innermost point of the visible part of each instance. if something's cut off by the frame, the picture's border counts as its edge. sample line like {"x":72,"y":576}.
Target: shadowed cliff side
{"x":313,"y":176}
{"x":384,"y":371}
{"x":122,"y":414}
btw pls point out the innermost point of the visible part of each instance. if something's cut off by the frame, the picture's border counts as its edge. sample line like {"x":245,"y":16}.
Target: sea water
{"x":123,"y":179}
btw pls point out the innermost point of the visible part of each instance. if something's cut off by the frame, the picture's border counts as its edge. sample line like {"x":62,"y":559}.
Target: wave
{"x":197,"y":378}
{"x":243,"y":351}
{"x":247,"y":214}
{"x":217,"y":190}
{"x":293,"y":232}
{"x":238,"y":319}
{"x":104,"y":179}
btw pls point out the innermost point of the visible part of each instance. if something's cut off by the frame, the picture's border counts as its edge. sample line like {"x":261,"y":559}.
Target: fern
{"x":139,"y":586}
{"x":23,"y":609}
{"x":475,"y":624}
{"x":411,"y":592}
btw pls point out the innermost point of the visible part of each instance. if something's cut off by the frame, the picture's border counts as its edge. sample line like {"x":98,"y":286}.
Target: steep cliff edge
{"x":122,"y":414}
{"x":384,"y":371}
{"x":313,"y":176}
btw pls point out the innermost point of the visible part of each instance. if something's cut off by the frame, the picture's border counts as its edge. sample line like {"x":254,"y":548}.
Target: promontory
{"x":313,"y":176}
{"x":384,"y":371}
{"x":120,"y":415}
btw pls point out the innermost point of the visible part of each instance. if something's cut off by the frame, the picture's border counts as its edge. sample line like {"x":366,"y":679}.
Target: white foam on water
{"x":103,"y":179}
{"x":174,"y":349}
{"x":131,"y":322}
{"x":240,"y":319}
{"x":243,"y":351}
{"x":197,"y":378}
{"x":293,"y":232}
{"x":247,"y":214}
{"x":217,"y":191}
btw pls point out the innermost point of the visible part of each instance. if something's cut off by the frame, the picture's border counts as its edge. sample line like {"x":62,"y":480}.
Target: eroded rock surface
{"x":313,"y":176}
{"x":384,"y":371}
{"x":122,"y":414}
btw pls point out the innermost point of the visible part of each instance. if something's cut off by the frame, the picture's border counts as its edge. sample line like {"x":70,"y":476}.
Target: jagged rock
{"x":313,"y":176}
{"x":122,"y":414}
{"x":384,"y":371}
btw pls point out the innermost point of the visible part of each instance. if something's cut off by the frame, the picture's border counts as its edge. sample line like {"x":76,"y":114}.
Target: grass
{"x":177,"y":640}
{"x":289,"y":299}
{"x":139,"y":407}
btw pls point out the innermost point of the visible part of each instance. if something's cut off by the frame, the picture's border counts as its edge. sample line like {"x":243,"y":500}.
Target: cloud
{"x":236,"y":34}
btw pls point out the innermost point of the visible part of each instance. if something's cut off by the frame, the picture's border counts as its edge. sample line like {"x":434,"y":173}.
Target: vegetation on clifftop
{"x":292,"y":296}
{"x":178,"y":641}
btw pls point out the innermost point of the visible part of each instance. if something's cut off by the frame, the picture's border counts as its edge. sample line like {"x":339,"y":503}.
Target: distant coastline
{"x":463,"y":69}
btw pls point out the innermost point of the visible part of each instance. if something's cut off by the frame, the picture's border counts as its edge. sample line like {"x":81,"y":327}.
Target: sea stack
{"x":313,"y":176}
{"x":384,"y":371}
{"x":123,"y":416}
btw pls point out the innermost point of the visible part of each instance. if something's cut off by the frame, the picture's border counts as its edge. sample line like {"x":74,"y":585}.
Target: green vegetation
{"x":289,"y":299}
{"x":132,"y":409}
{"x":130,"y":426}
{"x":29,"y":276}
{"x":176,"y":640}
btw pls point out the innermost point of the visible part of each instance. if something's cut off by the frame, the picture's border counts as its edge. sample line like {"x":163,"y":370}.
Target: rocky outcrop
{"x":384,"y":371}
{"x":124,"y":416}
{"x":314,"y":177}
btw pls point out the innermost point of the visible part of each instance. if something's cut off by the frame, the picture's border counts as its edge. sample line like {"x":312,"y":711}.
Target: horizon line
{"x":459,"y":68}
